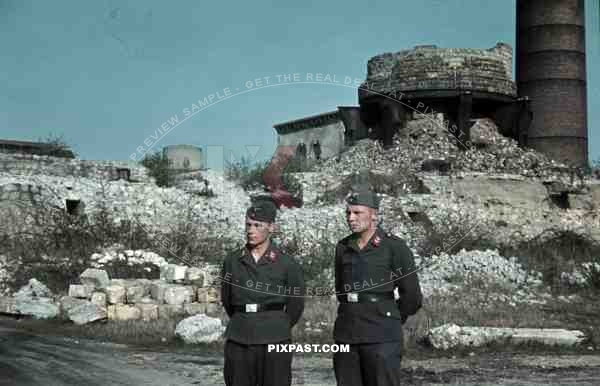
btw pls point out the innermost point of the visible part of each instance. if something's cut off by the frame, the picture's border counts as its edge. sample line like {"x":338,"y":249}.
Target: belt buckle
{"x":352,"y":297}
{"x":251,"y":307}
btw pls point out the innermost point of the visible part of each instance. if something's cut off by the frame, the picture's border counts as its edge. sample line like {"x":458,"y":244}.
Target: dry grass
{"x":158,"y":332}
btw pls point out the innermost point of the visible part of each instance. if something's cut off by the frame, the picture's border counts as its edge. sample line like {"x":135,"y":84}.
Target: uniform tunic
{"x":383,"y":264}
{"x":275,"y":278}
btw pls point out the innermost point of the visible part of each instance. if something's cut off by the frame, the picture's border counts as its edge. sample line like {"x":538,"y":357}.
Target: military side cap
{"x":262,"y":211}
{"x":365,"y":197}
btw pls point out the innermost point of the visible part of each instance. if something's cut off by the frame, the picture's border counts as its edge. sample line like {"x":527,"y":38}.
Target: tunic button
{"x":387,"y":313}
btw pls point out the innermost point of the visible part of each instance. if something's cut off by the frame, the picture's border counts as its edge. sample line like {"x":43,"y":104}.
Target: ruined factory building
{"x":324,"y":135}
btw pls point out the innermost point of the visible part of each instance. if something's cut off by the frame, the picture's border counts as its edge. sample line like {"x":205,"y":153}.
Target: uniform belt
{"x":248,"y":308}
{"x":358,"y":297}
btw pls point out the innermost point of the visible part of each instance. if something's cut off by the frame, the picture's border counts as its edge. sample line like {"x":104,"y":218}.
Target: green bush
{"x":158,"y":166}
{"x":56,"y":146}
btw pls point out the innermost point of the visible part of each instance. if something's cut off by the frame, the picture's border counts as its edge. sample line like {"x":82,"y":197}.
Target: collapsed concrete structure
{"x":544,"y":109}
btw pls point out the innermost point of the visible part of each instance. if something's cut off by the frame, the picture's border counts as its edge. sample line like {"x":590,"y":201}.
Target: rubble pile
{"x":427,"y":139}
{"x":130,"y":257}
{"x":484,"y":270}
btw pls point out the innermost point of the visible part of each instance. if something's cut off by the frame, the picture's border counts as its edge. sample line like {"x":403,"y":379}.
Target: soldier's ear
{"x":374,"y":214}
{"x":273,"y":228}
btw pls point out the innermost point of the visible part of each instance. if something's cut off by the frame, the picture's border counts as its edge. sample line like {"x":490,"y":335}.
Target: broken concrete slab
{"x":68,"y":302}
{"x":34,"y":288}
{"x":450,"y":336}
{"x":86,"y":313}
{"x":39,"y":308}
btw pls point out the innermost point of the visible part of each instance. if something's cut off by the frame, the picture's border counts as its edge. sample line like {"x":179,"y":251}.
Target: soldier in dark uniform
{"x":369,"y":265}
{"x":262,"y":292}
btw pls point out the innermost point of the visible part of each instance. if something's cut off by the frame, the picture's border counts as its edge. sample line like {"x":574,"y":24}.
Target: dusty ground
{"x":36,"y":359}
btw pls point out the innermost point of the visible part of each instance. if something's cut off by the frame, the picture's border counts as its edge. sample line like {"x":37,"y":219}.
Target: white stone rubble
{"x":200,"y":329}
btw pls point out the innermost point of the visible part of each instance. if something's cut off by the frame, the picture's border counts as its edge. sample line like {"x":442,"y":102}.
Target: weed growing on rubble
{"x":59,"y":246}
{"x":158,"y":167}
{"x":453,"y":232}
{"x":557,"y":253}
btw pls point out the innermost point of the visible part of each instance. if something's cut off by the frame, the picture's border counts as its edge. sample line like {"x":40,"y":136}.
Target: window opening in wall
{"x":123,"y":174}
{"x":561,"y":200}
{"x":74,"y":207}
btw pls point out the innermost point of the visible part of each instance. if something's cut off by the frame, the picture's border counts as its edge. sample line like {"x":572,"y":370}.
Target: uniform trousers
{"x":253,"y":365}
{"x":369,"y":364}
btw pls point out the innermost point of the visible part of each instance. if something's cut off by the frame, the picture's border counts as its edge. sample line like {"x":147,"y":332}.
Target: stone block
{"x":8,"y":305}
{"x":179,"y":294}
{"x":125,"y":312}
{"x":148,"y":311}
{"x":208,"y":295}
{"x":81,"y":291}
{"x":169,"y":311}
{"x":158,"y":289}
{"x":87,"y":313}
{"x":68,"y":302}
{"x":99,"y":298}
{"x":135,"y":293}
{"x":194,"y":308}
{"x":95,"y":277}
{"x":194,"y":276}
{"x":115,"y":294}
{"x":111,"y":311}
{"x":175,"y":273}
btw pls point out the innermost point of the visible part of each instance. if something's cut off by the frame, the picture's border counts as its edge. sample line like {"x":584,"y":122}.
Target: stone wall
{"x":24,"y":193}
{"x":181,"y":291}
{"x":28,"y":164}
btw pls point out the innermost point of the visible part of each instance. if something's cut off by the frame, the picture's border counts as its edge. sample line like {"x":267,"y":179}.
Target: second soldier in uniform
{"x":262,"y":291}
{"x":369,"y":265}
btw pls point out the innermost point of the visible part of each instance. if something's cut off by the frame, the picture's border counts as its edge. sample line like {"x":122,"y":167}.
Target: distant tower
{"x":551,"y":71}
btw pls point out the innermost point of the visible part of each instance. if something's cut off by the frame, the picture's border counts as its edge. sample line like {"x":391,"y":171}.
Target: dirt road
{"x":33,"y":359}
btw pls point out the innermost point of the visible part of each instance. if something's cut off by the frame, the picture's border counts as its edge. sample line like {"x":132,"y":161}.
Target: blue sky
{"x":108,"y":74}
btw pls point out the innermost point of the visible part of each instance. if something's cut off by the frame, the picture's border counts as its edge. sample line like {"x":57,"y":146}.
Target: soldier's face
{"x":257,"y":232}
{"x":360,"y":218}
